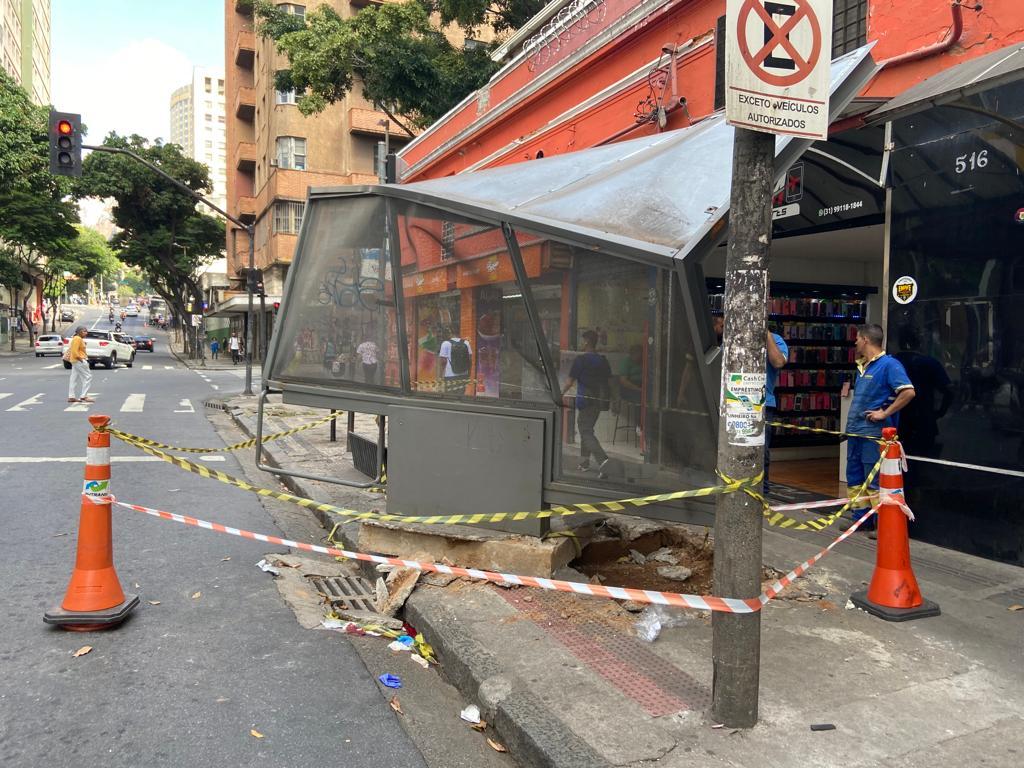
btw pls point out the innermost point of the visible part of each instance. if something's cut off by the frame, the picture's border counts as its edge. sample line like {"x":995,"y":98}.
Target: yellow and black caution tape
{"x":128,"y":437}
{"x":595,"y":508}
{"x":816,"y":430}
{"x":779,"y":520}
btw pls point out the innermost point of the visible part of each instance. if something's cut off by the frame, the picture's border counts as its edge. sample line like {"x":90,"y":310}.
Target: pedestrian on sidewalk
{"x":235,"y":345}
{"x":215,"y":348}
{"x":881,"y":390}
{"x":368,"y":352}
{"x":81,"y":376}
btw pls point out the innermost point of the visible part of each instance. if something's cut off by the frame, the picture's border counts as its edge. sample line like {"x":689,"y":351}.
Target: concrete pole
{"x":736,"y":638}
{"x":250,"y":279}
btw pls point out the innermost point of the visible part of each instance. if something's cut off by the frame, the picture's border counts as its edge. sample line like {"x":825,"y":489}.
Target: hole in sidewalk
{"x":612,"y":559}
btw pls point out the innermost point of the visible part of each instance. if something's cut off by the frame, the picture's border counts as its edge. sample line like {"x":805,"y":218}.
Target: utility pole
{"x":736,"y":637}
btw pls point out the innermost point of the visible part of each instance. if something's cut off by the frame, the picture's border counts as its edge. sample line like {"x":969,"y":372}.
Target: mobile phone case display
{"x":820,"y":330}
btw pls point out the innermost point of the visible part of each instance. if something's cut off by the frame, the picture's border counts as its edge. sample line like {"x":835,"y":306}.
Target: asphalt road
{"x":183,"y":682}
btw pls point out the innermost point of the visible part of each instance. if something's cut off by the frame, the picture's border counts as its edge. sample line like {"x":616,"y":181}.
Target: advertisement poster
{"x":743,"y":411}
{"x":488,"y":343}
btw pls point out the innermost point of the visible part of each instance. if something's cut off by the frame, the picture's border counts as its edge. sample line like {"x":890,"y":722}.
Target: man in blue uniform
{"x":882,"y":389}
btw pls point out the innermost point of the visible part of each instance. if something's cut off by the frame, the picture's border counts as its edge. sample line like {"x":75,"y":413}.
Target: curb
{"x":529,"y":728}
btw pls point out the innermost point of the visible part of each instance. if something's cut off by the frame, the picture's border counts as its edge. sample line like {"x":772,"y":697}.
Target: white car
{"x":108,"y":347}
{"x":132,"y":310}
{"x":49,"y":344}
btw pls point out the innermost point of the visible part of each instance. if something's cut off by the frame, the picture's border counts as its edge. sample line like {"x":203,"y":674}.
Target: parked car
{"x":67,"y":316}
{"x":132,"y":310}
{"x":144,"y":343}
{"x":108,"y":347}
{"x":49,"y":344}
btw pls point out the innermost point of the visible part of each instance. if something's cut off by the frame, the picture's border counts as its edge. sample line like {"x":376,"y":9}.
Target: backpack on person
{"x":459,"y":357}
{"x":602,"y":393}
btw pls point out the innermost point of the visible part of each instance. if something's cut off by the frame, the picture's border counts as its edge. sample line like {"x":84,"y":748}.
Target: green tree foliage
{"x":162,"y":231}
{"x":36,"y":214}
{"x":400,"y":57}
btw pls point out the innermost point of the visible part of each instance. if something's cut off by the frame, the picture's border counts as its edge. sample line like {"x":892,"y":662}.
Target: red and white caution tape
{"x":700,"y":602}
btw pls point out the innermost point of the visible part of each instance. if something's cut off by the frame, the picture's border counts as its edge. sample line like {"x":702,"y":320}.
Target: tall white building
{"x":25,"y":45}
{"x":197,"y":126}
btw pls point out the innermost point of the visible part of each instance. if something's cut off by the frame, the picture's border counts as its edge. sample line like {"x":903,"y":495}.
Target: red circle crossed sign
{"x":779,"y":37}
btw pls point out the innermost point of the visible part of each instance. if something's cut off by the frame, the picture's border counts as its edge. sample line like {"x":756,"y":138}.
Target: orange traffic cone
{"x":893,"y":594}
{"x":94,"y":599}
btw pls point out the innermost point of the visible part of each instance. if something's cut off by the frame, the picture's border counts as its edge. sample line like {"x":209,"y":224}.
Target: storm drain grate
{"x":350,"y":592}
{"x":220,"y":405}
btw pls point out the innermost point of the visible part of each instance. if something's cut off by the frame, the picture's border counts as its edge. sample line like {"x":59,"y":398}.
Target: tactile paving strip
{"x":658,"y":686}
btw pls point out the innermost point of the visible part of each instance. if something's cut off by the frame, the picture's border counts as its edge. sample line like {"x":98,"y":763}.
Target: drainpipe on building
{"x":952,"y":37}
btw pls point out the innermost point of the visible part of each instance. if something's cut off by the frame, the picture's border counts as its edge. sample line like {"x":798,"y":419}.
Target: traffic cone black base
{"x":923,"y":611}
{"x":89,"y":621}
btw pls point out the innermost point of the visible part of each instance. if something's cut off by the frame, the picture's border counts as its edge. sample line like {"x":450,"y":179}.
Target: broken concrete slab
{"x":397,"y":587}
{"x":469,"y":547}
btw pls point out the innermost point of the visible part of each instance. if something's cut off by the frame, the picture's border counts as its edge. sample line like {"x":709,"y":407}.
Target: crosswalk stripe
{"x":147,"y":367}
{"x":51,"y":367}
{"x":134,"y":403}
{"x":5,"y":394}
{"x":34,"y":400}
{"x":168,"y":367}
{"x":185,"y":406}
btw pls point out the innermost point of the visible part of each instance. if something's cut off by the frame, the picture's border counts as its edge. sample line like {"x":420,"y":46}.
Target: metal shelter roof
{"x":994,"y":69}
{"x":663,"y":194}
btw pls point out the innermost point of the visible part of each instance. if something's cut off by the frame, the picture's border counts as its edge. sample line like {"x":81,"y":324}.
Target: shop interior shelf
{"x":820,"y":342}
{"x":808,"y":388}
{"x":820,"y":412}
{"x":791,"y":440}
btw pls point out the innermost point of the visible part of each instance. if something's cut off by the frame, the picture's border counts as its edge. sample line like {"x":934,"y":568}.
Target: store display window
{"x":465,"y":315}
{"x":342,"y":325}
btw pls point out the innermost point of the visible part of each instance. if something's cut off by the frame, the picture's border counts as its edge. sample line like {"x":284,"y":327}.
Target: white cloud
{"x":127,"y":90}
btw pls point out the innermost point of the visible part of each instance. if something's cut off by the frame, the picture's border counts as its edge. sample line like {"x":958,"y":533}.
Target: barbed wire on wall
{"x":572,"y":21}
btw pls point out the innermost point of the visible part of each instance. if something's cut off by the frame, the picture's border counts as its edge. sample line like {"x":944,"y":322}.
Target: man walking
{"x":235,"y":345}
{"x":590,"y":373}
{"x":81,"y":376}
{"x":882,"y":389}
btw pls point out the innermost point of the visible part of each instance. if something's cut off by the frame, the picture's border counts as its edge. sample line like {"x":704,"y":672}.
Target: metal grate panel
{"x":364,"y":454}
{"x":349,"y":592}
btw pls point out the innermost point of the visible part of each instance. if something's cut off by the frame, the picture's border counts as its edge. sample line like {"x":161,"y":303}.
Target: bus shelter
{"x":455,"y":308}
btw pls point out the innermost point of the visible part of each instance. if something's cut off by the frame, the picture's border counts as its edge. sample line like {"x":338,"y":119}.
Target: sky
{"x":117,"y":61}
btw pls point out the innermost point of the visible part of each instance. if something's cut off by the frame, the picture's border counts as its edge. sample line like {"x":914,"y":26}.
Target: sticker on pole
{"x":904,"y":289}
{"x":778,"y":65}
{"x":743,"y":408}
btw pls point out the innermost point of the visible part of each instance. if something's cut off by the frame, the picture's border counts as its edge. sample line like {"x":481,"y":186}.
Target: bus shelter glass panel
{"x":467,"y":327}
{"x":340,"y":325}
{"x":634,"y":410}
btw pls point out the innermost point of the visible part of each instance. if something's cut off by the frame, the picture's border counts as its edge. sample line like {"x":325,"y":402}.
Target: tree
{"x":162,"y":232}
{"x":82,"y":258}
{"x":402,"y":59}
{"x":36,"y":214}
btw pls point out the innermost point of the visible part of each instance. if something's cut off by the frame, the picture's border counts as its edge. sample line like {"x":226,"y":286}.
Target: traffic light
{"x":277,"y":306}
{"x":65,"y":144}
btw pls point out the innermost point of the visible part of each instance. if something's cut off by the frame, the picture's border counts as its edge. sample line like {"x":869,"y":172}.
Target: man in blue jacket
{"x":881,"y":391}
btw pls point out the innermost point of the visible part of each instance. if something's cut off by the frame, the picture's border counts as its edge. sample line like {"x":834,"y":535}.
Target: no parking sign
{"x":777,"y":64}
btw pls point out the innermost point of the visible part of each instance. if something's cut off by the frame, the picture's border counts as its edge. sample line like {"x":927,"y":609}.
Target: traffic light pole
{"x":250,"y":230}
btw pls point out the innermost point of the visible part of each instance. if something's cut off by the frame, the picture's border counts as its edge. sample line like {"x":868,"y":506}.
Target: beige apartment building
{"x":275,"y":153}
{"x":197,"y":122}
{"x":25,"y":45}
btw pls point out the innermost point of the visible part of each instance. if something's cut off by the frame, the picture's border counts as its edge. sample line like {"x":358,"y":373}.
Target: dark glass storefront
{"x":957,"y":229}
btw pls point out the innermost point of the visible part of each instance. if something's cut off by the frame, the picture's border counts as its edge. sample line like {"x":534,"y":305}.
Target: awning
{"x":956,"y":83}
{"x":665,"y":195}
{"x":239,"y":305}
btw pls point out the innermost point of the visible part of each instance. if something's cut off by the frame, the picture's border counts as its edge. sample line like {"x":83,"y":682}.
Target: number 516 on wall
{"x":971,"y":162}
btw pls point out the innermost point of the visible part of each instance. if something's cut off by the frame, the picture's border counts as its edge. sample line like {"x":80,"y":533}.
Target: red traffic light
{"x":277,"y":305}
{"x":65,"y":128}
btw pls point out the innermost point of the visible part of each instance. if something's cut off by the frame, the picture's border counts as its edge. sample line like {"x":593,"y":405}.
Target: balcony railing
{"x":245,"y":156}
{"x":245,"y":104}
{"x":245,"y":48}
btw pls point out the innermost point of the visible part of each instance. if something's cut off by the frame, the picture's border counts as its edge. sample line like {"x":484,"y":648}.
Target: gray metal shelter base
{"x":447,"y":462}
